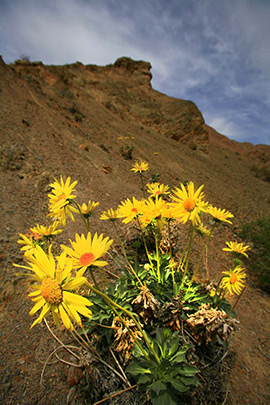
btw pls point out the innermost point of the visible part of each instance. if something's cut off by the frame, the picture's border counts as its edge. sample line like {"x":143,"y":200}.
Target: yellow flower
{"x":237,"y":248}
{"x":189,"y":204}
{"x":203,"y":230}
{"x":130,"y":209}
{"x":88,"y":209}
{"x":29,"y":243}
{"x":156,"y":189}
{"x":46,"y":231}
{"x":140,"y":167}
{"x":167,"y":212}
{"x":60,"y":200}
{"x":233,"y":280}
{"x":152,"y":209}
{"x":52,"y":291}
{"x":111,"y":215}
{"x":220,"y":215}
{"x":86,"y":251}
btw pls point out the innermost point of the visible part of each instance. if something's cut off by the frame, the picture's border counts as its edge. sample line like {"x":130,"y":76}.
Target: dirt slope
{"x":82,"y":121}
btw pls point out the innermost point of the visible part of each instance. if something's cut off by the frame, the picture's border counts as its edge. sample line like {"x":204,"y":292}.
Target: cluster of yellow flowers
{"x":56,"y":277}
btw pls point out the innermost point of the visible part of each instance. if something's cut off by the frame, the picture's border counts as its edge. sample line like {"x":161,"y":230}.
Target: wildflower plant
{"x":149,"y":315}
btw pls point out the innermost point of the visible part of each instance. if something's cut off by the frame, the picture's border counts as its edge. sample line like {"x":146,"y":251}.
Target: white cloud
{"x":226,"y":127}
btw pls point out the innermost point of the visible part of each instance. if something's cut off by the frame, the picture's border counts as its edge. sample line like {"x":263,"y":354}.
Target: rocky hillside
{"x":92,"y":123}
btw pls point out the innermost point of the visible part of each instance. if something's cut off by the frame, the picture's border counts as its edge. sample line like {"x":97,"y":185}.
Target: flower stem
{"x":86,"y":222}
{"x":202,"y":253}
{"x":170,"y":237}
{"x":157,"y":256}
{"x":187,"y":254}
{"x":125,"y":254}
{"x":113,"y":304}
{"x":145,"y":245}
{"x":143,"y":189}
{"x":236,"y":302}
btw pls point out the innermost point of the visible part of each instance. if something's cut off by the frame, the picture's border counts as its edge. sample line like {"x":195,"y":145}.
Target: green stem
{"x":125,"y":254}
{"x":202,"y":253}
{"x":184,"y":253}
{"x":236,"y":302}
{"x":145,"y":245}
{"x":143,"y":189}
{"x":187,"y":254}
{"x":113,"y":305}
{"x":93,"y":277}
{"x":174,"y":291}
{"x":157,"y":256}
{"x":83,"y":217}
{"x":170,"y":238}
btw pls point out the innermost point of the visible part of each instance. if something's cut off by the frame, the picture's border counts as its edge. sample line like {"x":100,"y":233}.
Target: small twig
{"x":59,"y":341}
{"x":119,"y":366}
{"x":43,"y":362}
{"x":220,"y":360}
{"x":201,"y":377}
{"x":114,"y":395}
{"x":67,"y":362}
{"x":47,"y":361}
{"x":226,"y":396}
{"x":96,"y":356}
{"x":191,"y":337}
{"x":112,"y":274}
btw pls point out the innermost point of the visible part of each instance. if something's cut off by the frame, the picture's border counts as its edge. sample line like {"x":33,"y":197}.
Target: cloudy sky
{"x":213,"y":52}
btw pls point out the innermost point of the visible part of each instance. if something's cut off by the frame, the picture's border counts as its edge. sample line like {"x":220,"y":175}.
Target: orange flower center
{"x":61,"y":197}
{"x":134,"y":210}
{"x":189,"y":204}
{"x":35,"y":235}
{"x":51,"y":291}
{"x":157,"y":192}
{"x":233,"y":278}
{"x":86,"y":259}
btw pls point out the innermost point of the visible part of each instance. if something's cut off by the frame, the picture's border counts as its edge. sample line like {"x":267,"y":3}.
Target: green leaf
{"x":135,"y":369}
{"x":188,"y":370}
{"x":179,"y":386}
{"x":163,"y":399}
{"x":158,"y":386}
{"x":173,"y":346}
{"x":144,"y":379}
{"x":179,"y":358}
{"x":160,"y":337}
{"x":190,"y":380}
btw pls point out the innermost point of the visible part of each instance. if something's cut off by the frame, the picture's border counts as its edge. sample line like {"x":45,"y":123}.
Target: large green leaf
{"x":145,"y":379}
{"x":173,"y":346}
{"x":158,"y":386}
{"x":135,"y":369}
{"x":179,"y":358}
{"x":188,"y":370}
{"x":163,"y":399}
{"x":178,"y":385}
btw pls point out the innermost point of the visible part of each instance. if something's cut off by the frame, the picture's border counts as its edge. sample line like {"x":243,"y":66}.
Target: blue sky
{"x":213,"y":52}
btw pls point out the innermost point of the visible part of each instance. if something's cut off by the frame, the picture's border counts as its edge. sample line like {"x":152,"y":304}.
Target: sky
{"x":213,"y":52}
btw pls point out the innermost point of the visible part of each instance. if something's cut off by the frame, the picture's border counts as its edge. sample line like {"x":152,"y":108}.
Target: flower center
{"x":189,"y":204}
{"x":157,"y":192}
{"x":61,"y":197}
{"x":233,"y":278}
{"x":51,"y":291}
{"x":134,"y":210}
{"x":86,"y":259}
